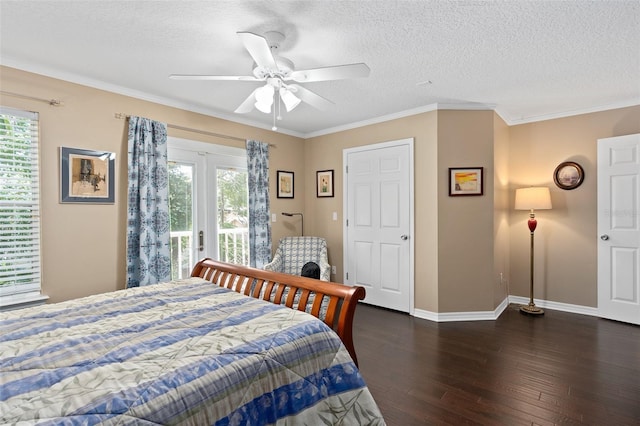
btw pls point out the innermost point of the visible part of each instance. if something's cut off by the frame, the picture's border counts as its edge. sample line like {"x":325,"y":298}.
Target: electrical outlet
{"x":333,"y":269}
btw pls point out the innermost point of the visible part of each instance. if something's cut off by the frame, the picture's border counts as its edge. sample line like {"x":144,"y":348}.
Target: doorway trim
{"x":382,"y":145}
{"x":618,"y":172}
{"x":207,"y":157}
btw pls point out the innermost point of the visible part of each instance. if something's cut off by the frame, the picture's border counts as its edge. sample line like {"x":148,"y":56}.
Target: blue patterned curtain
{"x":148,"y":257}
{"x":259,"y":225}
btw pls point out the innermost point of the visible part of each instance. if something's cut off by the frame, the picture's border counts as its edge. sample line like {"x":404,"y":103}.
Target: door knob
{"x":404,"y":237}
{"x":604,"y":237}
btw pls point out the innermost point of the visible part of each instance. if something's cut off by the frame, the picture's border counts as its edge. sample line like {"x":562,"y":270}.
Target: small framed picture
{"x":285,"y":184}
{"x":87,"y":176}
{"x":465,"y":181}
{"x":324,"y":183}
{"x":568,"y":175}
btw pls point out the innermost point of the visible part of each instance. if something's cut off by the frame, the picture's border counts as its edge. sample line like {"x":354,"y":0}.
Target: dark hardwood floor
{"x":559,"y":368}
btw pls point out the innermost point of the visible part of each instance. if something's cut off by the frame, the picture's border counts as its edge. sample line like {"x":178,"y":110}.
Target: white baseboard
{"x":462,"y":316}
{"x":556,"y":306}
{"x":493,"y":315}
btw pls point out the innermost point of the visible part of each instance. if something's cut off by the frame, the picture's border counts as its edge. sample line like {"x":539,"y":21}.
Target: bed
{"x":252,"y":349}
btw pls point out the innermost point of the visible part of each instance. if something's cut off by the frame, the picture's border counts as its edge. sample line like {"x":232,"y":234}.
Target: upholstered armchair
{"x":293,"y":252}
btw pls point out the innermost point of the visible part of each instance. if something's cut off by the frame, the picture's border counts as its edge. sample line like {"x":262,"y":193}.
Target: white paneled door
{"x":378,"y":232}
{"x":619,"y":228}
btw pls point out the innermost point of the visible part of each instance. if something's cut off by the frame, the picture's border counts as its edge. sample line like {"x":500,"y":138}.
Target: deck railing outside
{"x":233,"y":247}
{"x":181,"y":254}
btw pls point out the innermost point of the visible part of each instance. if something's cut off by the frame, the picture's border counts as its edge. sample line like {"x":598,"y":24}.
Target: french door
{"x":208,"y":204}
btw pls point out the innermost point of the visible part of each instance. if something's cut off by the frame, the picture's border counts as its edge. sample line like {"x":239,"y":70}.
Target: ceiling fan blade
{"x":259,"y":50}
{"x":214,"y":77}
{"x":310,"y":97}
{"x":248,"y":103}
{"x":338,"y":72}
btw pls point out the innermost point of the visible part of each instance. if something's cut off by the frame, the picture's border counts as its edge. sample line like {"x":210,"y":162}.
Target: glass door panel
{"x":208,"y":204}
{"x":233,"y":217}
{"x":181,"y":189}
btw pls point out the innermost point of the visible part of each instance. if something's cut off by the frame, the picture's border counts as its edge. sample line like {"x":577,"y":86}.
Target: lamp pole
{"x":532,"y":198}
{"x":531,"y":308}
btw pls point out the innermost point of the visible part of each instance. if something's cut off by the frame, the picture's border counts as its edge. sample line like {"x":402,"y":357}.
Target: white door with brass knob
{"x":379,"y":210}
{"x":619,"y":228}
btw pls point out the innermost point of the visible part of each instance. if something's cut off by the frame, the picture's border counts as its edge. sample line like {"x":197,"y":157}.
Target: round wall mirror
{"x":568,"y":175}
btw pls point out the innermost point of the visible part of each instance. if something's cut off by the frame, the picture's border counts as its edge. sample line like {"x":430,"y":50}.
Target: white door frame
{"x":206,"y":157}
{"x":382,"y":145}
{"x":618,"y":228}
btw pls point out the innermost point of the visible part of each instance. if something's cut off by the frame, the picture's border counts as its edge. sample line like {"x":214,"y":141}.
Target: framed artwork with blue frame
{"x":87,"y":176}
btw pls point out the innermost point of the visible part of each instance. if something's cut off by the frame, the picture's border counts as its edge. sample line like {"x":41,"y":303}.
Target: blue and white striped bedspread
{"x":185,"y":352}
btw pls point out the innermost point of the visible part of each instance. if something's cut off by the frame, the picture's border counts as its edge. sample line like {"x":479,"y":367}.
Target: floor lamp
{"x":534,"y":198}
{"x":301,"y":219}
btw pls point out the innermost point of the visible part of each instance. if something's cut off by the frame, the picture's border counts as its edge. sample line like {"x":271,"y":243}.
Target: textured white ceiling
{"x":528,"y":60}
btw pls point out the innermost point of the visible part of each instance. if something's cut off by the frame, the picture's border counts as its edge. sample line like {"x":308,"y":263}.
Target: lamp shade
{"x":264,"y":98}
{"x":533,"y":198}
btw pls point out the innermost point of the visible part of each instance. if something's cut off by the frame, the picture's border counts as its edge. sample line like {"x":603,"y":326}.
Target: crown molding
{"x":126,"y":91}
{"x":564,"y":114}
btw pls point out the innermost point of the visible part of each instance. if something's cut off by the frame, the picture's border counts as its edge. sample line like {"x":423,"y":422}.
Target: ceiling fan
{"x":280,"y":76}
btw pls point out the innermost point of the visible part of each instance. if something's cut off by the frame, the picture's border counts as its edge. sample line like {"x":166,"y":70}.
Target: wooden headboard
{"x":337,"y":310}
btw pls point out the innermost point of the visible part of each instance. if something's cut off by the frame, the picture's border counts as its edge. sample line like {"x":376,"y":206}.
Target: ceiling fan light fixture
{"x":264,"y":98}
{"x":289,"y":99}
{"x":276,"y":71}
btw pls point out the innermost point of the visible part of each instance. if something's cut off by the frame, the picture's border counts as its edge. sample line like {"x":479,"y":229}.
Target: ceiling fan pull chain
{"x":279,"y":105}
{"x":274,"y":128}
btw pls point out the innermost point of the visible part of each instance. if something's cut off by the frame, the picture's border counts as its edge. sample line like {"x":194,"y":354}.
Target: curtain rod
{"x":52,"y":102}
{"x":123,"y":116}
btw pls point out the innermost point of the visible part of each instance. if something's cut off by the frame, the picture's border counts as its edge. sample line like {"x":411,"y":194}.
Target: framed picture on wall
{"x":324,"y":183}
{"x":285,"y":184}
{"x":568,"y":175}
{"x":87,"y":176}
{"x":465,"y":181}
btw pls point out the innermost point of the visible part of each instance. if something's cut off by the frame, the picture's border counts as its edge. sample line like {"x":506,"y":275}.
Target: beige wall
{"x":495,"y":234}
{"x":566,"y":238}
{"x":465,"y":224}
{"x":83,"y":246}
{"x":454,"y":236}
{"x":325,"y":152}
{"x":501,"y":249}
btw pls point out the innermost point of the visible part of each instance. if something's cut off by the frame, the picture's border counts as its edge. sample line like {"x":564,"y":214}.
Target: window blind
{"x":19,"y":203}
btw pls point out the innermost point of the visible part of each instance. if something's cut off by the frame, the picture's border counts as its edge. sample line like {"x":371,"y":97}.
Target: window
{"x":19,"y":208}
